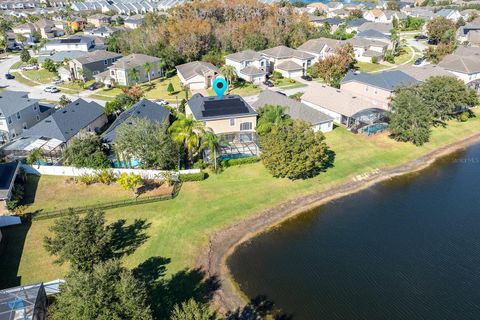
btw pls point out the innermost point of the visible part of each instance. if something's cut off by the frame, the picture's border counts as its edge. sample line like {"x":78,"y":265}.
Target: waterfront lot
{"x":179,"y":228}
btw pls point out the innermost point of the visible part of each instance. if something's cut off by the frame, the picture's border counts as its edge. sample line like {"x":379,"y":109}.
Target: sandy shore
{"x":224,"y":242}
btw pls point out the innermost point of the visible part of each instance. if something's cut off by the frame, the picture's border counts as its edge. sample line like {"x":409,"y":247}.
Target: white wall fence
{"x":75,"y":172}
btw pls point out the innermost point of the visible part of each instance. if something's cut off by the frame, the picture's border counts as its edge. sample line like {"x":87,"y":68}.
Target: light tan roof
{"x":289,"y":66}
{"x":335,"y":100}
{"x":421,"y":73}
{"x":134,"y":60}
{"x":282,"y":52}
{"x":317,"y":45}
{"x":376,"y":12}
{"x":246,"y":55}
{"x":318,"y":5}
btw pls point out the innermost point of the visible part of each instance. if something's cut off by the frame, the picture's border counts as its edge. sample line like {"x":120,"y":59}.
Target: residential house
{"x":101,"y":32}
{"x":346,"y":108}
{"x":296,"y":110}
{"x":197,"y":75}
{"x":48,"y":29}
{"x":371,"y":34}
{"x":321,"y":48}
{"x":464,"y":63}
{"x":419,"y":12}
{"x":291,"y":63}
{"x":467,"y":33}
{"x":366,"y":50}
{"x":99,"y":20}
{"x":354,"y":24}
{"x":26,"y":30}
{"x":8,"y":174}
{"x":144,"y":109}
{"x":378,"y":88}
{"x":334,"y":23}
{"x":392,"y":14}
{"x":59,"y":57}
{"x":384,"y":28}
{"x":250,"y":65}
{"x":18,"y":112}
{"x":76,"y":24}
{"x":91,"y":64}
{"x":133,"y":22}
{"x":319,"y":7}
{"x":450,"y":14}
{"x":73,"y":43}
{"x":334,"y":5}
{"x":121,"y":70}
{"x":375,"y":15}
{"x":54,"y":133}
{"x":423,"y":72}
{"x":231,"y":118}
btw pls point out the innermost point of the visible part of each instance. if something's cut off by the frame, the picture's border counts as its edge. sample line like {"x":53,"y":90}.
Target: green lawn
{"x":179,"y":228}
{"x":369,"y":67}
{"x":17,"y":65}
{"x":20,"y":78}
{"x":404,"y":56}
{"x":41,"y":75}
{"x":241,"y":88}
{"x":287,"y":83}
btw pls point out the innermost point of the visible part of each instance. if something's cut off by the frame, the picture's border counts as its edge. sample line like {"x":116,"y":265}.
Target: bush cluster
{"x":193,"y":177}
{"x":239,"y":161}
{"x":102,"y":176}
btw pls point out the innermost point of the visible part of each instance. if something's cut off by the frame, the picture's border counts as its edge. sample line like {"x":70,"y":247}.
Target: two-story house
{"x":375,"y":15}
{"x":131,"y":69}
{"x":18,"y":112}
{"x":250,"y":65}
{"x":91,"y":64}
{"x":321,"y":47}
{"x":450,"y":14}
{"x":365,"y":49}
{"x":73,"y":43}
{"x":99,"y":19}
{"x":291,"y":63}
{"x":464,"y":63}
{"x":197,"y":75}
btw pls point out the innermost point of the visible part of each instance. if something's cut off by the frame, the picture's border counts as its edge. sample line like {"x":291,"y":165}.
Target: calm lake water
{"x":408,"y":248}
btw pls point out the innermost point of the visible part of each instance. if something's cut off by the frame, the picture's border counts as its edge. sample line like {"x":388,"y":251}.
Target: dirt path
{"x":224,"y":242}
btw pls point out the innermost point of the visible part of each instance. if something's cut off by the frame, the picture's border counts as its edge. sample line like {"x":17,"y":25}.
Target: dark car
{"x":9,"y":76}
{"x":268,"y":83}
{"x":432,"y":41}
{"x":307,"y":78}
{"x":420,"y":37}
{"x":92,"y":87}
{"x":418,"y":61}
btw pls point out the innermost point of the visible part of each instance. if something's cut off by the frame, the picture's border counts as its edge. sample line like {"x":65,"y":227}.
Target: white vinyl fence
{"x":75,"y":172}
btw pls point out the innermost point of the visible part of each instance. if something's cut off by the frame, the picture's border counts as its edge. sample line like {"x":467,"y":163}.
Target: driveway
{"x":36,"y":92}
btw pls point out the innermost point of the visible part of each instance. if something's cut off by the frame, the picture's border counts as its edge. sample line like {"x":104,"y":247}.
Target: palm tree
{"x":269,"y":116}
{"x":394,"y":38}
{"x":211,"y":141}
{"x":147,"y":66}
{"x":187,"y":132}
{"x":134,"y":75}
{"x":161,"y":65}
{"x":229,"y":73}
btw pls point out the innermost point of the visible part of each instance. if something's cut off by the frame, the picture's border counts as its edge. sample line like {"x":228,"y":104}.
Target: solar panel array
{"x":214,"y":108}
{"x":70,"y":40}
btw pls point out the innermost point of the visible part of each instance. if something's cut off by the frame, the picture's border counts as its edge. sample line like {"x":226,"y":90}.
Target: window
{"x":24,"y":126}
{"x":18,"y":115}
{"x":245,"y":126}
{"x":232,"y":122}
{"x":34,"y":107}
{"x":105,"y":62}
{"x":38,"y":117}
{"x":9,"y":120}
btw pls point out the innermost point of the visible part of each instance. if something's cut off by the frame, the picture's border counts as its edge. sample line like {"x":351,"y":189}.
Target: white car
{"x":161,"y":102}
{"x":30,"y":67}
{"x":57,"y":81}
{"x":51,"y":89}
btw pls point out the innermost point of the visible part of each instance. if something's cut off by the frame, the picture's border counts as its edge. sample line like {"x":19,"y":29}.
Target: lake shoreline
{"x":224,"y":242}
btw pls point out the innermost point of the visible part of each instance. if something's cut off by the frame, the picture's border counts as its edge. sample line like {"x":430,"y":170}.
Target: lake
{"x":408,"y":248}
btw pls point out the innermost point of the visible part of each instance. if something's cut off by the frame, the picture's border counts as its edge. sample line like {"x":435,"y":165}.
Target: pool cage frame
{"x":244,"y":143}
{"x":363,"y":121}
{"x":24,"y":303}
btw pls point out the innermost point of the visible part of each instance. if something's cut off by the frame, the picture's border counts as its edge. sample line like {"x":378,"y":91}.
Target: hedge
{"x":239,"y":161}
{"x":193,"y":177}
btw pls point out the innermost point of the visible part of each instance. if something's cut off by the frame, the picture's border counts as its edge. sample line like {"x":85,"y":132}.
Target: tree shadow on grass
{"x":258,"y":308}
{"x":165,"y":293}
{"x":126,"y":239}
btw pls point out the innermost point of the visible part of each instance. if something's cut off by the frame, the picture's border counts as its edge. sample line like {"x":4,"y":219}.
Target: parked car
{"x":161,"y":102}
{"x":282,"y":93}
{"x":93,"y":86}
{"x":419,"y":61}
{"x":51,"y":89}
{"x":30,"y":67}
{"x":420,"y":37}
{"x":432,"y":41}
{"x":268,"y":83}
{"x":8,"y":76}
{"x":306,"y":77}
{"x":57,"y":81}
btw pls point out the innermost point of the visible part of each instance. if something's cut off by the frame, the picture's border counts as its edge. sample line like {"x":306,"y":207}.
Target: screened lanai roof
{"x":370,"y":115}
{"x":25,"y":303}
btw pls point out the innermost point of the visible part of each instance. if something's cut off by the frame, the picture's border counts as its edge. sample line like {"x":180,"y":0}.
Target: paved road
{"x":37,"y":91}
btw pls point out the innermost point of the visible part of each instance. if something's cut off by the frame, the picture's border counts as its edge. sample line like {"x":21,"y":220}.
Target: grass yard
{"x":41,"y":75}
{"x":17,"y":65}
{"x":241,"y":88}
{"x":179,"y":228}
{"x":287,"y":83}
{"x":370,"y":67}
{"x":404,"y":56}
{"x":20,"y":78}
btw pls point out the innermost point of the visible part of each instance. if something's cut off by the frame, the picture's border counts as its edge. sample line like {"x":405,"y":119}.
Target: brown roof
{"x":464,"y":60}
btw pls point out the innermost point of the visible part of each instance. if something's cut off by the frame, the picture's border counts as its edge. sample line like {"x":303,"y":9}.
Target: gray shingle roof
{"x":356,"y":22}
{"x":388,"y":80}
{"x":252,"y":70}
{"x":145,"y":109}
{"x":282,"y":52}
{"x":373,"y":34}
{"x":97,"y":55}
{"x":295,"y":109}
{"x":134,"y":60}
{"x":289,"y":66}
{"x":381,"y":27}
{"x":246,"y":55}
{"x":192,"y":69}
{"x":209,"y":108}
{"x":316,"y":45}
{"x":12,"y":102}
{"x":421,"y":73}
{"x":67,"y":122}
{"x":463,"y":60}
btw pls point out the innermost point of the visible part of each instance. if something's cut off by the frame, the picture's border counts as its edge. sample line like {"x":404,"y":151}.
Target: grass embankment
{"x":180,"y":228}
{"x":20,"y":78}
{"x":42,"y":76}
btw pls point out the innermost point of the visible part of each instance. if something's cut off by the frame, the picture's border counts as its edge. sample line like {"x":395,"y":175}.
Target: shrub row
{"x":193,"y":177}
{"x":239,"y":161}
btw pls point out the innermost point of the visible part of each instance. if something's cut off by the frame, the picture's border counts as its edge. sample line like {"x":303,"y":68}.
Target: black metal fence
{"x":42,"y":215}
